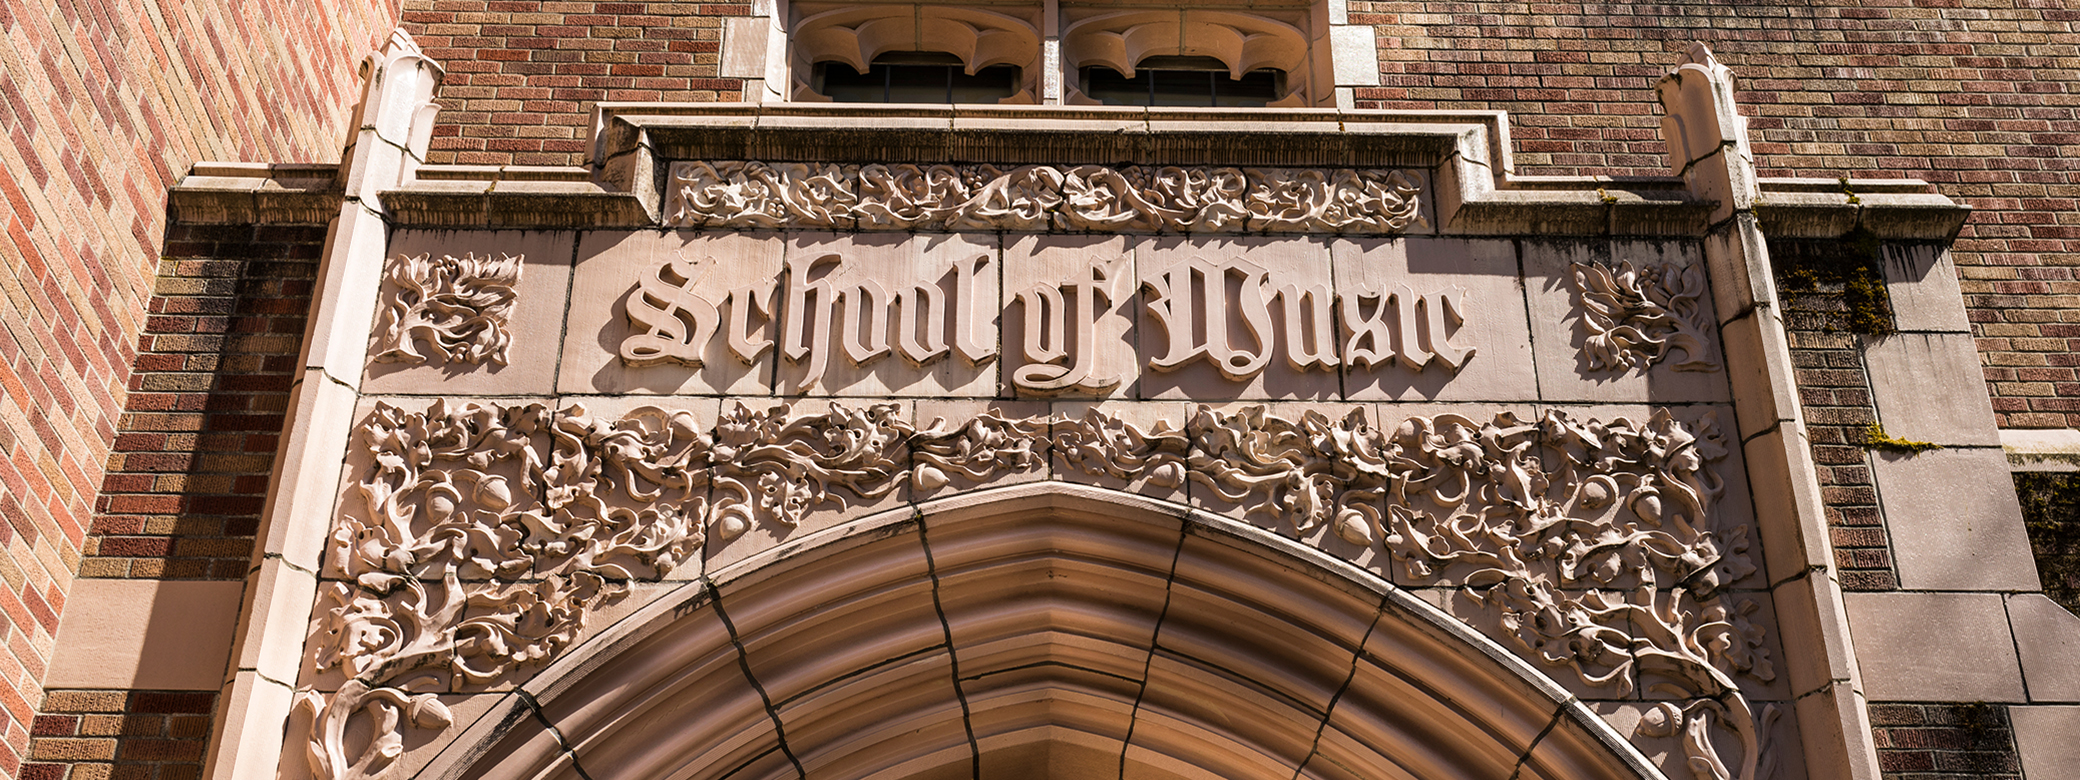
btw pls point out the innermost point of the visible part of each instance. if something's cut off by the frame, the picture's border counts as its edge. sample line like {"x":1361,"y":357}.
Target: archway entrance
{"x":1041,"y":630}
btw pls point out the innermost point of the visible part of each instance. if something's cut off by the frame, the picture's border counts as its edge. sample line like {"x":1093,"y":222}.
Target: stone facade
{"x":180,"y":499}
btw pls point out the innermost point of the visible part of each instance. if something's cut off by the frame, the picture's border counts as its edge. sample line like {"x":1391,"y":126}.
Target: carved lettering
{"x":1227,"y":311}
{"x":1403,"y":325}
{"x":808,"y":332}
{"x":673,"y":324}
{"x":1062,"y":323}
{"x":744,"y":302}
{"x":1191,"y":303}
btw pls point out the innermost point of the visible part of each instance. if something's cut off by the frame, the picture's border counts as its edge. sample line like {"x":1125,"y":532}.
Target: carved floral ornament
{"x":1171,"y":199}
{"x":457,"y":306}
{"x":1634,"y":317}
{"x":485,"y":534}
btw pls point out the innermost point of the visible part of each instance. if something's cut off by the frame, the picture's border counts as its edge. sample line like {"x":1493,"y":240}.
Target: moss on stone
{"x":1842,"y":277}
{"x":2051,"y":512}
{"x":1875,"y":438}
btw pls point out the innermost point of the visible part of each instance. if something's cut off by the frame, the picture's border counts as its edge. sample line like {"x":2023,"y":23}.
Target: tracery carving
{"x":1199,"y":199}
{"x":490,"y":532}
{"x":1635,"y":317}
{"x":458,"y":306}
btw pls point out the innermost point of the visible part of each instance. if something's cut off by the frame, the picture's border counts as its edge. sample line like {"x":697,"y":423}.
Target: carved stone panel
{"x":479,"y":538}
{"x":752,"y":195}
{"x":1432,"y":319}
{"x":879,"y":314}
{"x":456,"y":314}
{"x":673,"y":313}
{"x":1624,"y":320}
{"x":1070,"y":306}
{"x":1248,"y":317}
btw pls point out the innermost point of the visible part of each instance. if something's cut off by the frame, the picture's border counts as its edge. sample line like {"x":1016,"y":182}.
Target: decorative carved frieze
{"x":1635,"y":317}
{"x":1084,"y":198}
{"x":489,"y":532}
{"x":457,"y":306}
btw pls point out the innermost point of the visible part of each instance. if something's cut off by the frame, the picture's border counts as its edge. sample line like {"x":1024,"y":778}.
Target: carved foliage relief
{"x":1169,"y":199}
{"x":1633,"y":317}
{"x":457,"y":307}
{"x":485,"y":534}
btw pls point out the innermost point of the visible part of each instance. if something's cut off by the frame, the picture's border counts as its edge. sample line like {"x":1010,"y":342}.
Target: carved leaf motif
{"x":458,"y":307}
{"x":1177,"y":199}
{"x":489,"y":533}
{"x":1633,"y":318}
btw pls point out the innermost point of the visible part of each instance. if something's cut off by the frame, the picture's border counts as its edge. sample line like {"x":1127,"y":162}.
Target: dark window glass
{"x":915,"y":77}
{"x":1182,"y":81}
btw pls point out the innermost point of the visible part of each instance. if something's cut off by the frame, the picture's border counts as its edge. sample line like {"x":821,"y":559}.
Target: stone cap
{"x":1464,"y":156}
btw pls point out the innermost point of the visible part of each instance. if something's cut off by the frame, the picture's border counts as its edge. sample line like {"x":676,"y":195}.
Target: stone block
{"x":1356,"y":54}
{"x":681,"y":336}
{"x":1657,"y":289}
{"x":490,"y":349}
{"x":2047,"y":638}
{"x":1929,"y":387}
{"x":851,"y":297}
{"x":1070,"y":305}
{"x":1922,"y":284}
{"x":151,"y":634}
{"x":2048,"y":739}
{"x":1954,"y":520}
{"x":1934,"y":647}
{"x":1236,"y":317}
{"x":744,"y":46}
{"x":1454,"y":329}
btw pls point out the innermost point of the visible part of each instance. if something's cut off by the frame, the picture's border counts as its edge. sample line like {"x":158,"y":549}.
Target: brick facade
{"x":120,"y":735}
{"x":165,"y":397}
{"x":523,"y":74}
{"x":1944,"y":741}
{"x":197,"y":439}
{"x":103,"y":106}
{"x":1825,"y":315}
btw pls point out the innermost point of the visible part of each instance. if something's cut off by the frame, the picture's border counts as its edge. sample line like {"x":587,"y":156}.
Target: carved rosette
{"x":459,"y":307}
{"x":1633,"y":318}
{"x":489,"y":532}
{"x":1168,"y":199}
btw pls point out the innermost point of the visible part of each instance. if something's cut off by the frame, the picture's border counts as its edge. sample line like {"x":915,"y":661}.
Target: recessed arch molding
{"x":1045,"y":629}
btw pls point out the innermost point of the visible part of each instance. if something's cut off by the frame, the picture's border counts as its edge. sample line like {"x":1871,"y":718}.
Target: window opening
{"x":1182,"y":81}
{"x":915,"y":77}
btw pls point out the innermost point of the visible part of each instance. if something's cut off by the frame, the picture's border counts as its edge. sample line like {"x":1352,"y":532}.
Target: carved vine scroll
{"x":487,"y":533}
{"x":1635,"y":317}
{"x":1173,"y":199}
{"x":458,"y":306}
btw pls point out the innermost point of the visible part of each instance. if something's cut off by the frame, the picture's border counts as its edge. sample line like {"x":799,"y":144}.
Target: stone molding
{"x":487,"y":533}
{"x":1039,"y":198}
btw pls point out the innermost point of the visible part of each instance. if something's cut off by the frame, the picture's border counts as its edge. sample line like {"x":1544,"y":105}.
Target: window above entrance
{"x":1279,"y":54}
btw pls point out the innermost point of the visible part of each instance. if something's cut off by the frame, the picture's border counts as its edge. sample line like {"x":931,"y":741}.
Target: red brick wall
{"x":103,"y":105}
{"x":1977,"y":96}
{"x":523,"y":74}
{"x":197,"y":439}
{"x":1980,"y":97}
